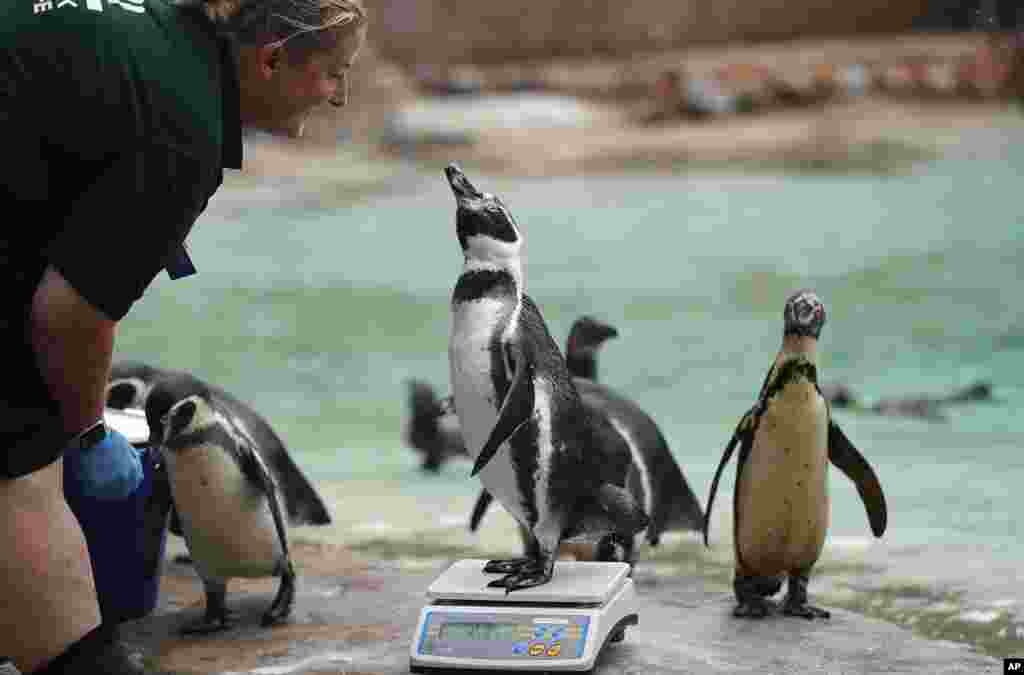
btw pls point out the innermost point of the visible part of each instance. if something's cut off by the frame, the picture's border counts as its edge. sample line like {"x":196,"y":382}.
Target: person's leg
{"x":47,"y":596}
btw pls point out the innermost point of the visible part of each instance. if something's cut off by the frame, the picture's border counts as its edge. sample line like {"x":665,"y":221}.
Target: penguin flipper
{"x":848,"y":459}
{"x":515,"y":410}
{"x":479,"y":509}
{"x":741,"y":430}
{"x":259,"y":475}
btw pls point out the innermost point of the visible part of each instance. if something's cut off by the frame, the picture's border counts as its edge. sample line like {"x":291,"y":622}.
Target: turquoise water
{"x":318,"y":314}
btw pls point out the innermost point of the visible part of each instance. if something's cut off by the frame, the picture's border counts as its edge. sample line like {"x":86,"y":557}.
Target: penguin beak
{"x":609,"y":332}
{"x":461,"y":186}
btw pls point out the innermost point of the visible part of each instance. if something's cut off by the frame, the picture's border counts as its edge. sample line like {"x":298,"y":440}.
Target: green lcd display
{"x":478,"y":631}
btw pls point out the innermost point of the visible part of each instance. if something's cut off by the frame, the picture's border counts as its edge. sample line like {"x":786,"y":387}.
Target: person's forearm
{"x":73,"y":342}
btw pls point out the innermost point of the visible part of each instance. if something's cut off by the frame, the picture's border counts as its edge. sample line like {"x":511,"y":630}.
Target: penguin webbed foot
{"x":537,"y":573}
{"x":753,"y":595}
{"x":795,"y":603}
{"x":217,"y":616}
{"x":754,"y":608}
{"x":508,"y":567}
{"x":212,"y":621}
{"x":281,"y":608}
{"x":808,"y":612}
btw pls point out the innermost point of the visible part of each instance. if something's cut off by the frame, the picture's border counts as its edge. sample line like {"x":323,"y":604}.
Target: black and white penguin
{"x":534,"y":444}
{"x":432,"y":428}
{"x":586,"y":337}
{"x":228,"y":502}
{"x":655,"y":478}
{"x":128,"y":387}
{"x":781,"y":502}
{"x":129,"y":384}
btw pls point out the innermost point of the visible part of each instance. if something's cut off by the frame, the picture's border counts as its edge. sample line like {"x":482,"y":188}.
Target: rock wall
{"x":490,"y":31}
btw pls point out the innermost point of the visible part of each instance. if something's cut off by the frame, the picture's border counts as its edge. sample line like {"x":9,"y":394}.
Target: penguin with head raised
{"x":226,"y":496}
{"x":533,"y":442}
{"x":654,"y":477}
{"x":781,"y":501}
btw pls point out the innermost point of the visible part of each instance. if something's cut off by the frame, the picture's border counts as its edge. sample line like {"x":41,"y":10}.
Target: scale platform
{"x":131,"y":422}
{"x":560,"y":626}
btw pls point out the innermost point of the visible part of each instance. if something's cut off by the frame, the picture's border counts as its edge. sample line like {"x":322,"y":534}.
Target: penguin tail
{"x":609,"y":509}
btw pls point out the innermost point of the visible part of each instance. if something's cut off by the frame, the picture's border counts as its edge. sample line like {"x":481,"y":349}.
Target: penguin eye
{"x":181,"y":419}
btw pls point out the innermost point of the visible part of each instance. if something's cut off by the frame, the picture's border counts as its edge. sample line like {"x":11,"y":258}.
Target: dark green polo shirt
{"x":117,"y":118}
{"x":121,"y":115}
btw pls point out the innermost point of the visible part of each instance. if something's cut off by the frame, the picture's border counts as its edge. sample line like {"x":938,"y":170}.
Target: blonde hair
{"x":305,"y":25}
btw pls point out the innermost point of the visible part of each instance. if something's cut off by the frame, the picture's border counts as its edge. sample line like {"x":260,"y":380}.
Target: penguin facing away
{"x":780,"y":502}
{"x":433,"y":427}
{"x":227,"y":499}
{"x":128,"y":387}
{"x":654,"y":478}
{"x":521,"y":417}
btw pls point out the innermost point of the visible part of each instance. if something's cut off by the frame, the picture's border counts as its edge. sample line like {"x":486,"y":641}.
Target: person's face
{"x":279,"y":90}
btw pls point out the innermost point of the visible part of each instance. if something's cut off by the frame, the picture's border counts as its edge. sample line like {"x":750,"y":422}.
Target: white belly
{"x":476,"y":401}
{"x":783,"y":491}
{"x":226,"y":521}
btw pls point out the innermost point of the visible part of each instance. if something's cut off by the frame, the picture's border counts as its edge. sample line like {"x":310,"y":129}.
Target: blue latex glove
{"x":110,"y":469}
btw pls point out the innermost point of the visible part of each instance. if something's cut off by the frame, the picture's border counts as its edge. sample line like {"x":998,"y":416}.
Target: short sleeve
{"x":128,"y":224}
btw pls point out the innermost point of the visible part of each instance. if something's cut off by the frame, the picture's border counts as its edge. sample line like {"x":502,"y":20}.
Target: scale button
{"x":519,"y":648}
{"x":555,"y":649}
{"x":536,"y":649}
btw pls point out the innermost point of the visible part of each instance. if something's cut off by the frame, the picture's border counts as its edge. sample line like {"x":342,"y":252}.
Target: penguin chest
{"x":475,"y":326}
{"x":782,"y":505}
{"x":226,"y":521}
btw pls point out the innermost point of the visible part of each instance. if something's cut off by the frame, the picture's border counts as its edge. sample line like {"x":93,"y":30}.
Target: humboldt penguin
{"x":128,"y":387}
{"x":781,"y":502}
{"x":433,"y":427}
{"x":227,"y":499}
{"x":655,"y":478}
{"x":586,"y":337}
{"x":535,"y":446}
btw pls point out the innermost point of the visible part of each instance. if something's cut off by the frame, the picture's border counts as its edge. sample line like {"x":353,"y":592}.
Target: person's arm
{"x":73,"y":342}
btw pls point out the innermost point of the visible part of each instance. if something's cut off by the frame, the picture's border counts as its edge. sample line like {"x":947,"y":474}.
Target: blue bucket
{"x":126,"y":539}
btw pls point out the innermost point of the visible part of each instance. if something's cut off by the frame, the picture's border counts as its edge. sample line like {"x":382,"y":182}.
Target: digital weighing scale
{"x":559,"y":626}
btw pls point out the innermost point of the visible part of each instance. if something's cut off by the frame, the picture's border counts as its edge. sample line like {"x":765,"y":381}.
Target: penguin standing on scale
{"x":535,"y":446}
{"x":780,"y":502}
{"x":655,"y":479}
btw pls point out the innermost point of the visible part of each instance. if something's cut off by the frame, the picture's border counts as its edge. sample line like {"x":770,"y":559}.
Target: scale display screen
{"x":496,"y":636}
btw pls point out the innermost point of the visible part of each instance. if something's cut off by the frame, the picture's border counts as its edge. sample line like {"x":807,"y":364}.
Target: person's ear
{"x":269,"y":58}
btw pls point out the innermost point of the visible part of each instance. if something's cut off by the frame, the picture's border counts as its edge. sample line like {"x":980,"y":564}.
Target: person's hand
{"x":110,"y":469}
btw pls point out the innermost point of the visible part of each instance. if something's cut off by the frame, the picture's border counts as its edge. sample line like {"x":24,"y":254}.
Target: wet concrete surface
{"x":356,"y":617}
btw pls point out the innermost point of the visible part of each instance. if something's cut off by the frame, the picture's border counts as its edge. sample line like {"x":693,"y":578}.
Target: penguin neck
{"x":798,"y":346}
{"x":512,"y":267}
{"x":582,"y":363}
{"x":489,"y":279}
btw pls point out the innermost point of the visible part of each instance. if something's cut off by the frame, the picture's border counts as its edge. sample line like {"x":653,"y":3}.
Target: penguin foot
{"x":795,"y":603}
{"x":809,"y":612}
{"x":526,"y":578}
{"x":210,"y":622}
{"x":511,"y":566}
{"x":754,"y":608}
{"x":281,"y":608}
